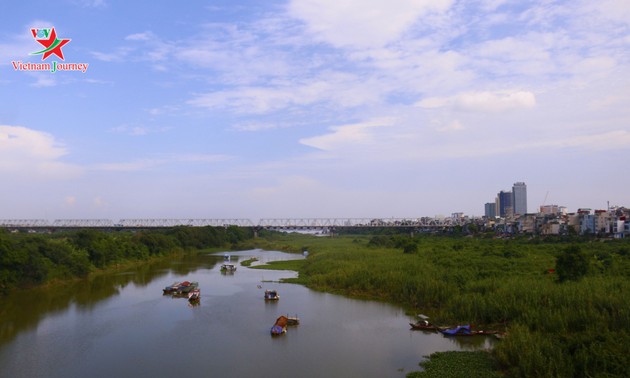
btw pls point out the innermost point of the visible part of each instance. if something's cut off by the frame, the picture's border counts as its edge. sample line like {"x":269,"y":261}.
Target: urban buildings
{"x":508,"y":203}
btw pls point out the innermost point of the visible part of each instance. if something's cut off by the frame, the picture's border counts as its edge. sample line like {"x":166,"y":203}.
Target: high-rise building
{"x":490,"y":210}
{"x":519,"y":198}
{"x":504,"y":204}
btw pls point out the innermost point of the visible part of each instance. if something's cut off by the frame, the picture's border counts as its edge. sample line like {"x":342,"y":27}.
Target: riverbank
{"x":554,"y":328}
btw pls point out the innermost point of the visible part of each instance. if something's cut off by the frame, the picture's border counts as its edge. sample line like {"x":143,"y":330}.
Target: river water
{"x":121,"y":325}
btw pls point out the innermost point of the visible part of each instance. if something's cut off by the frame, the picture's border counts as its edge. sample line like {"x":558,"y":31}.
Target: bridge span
{"x":264,"y":223}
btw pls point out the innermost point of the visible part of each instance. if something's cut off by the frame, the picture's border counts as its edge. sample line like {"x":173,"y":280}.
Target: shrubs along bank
{"x":34,"y":259}
{"x":562,"y":303}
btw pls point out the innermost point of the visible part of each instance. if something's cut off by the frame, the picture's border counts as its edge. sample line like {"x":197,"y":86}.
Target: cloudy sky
{"x":313,"y":108}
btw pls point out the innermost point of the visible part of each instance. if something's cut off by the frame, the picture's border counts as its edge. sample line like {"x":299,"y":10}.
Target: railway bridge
{"x":264,"y":223}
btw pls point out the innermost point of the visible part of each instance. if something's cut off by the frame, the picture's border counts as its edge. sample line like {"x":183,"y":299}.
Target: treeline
{"x":32,"y":259}
{"x":564,"y":304}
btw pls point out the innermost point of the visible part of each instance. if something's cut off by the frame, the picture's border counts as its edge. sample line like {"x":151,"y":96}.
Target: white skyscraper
{"x":519,"y":198}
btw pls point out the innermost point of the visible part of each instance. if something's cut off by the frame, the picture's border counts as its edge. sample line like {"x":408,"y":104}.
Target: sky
{"x":312,"y":108}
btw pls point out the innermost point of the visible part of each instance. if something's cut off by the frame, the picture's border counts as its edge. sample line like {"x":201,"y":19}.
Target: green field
{"x":563,"y":304}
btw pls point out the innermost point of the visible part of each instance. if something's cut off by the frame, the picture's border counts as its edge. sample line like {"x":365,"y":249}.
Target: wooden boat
{"x":280,"y":326}
{"x":423,"y":325}
{"x":271,"y":295}
{"x":228,"y":268}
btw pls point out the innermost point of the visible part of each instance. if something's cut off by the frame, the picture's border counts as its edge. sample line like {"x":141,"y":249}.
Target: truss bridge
{"x":264,"y":223}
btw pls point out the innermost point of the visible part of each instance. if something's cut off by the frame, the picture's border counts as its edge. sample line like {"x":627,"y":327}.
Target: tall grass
{"x":568,"y":329}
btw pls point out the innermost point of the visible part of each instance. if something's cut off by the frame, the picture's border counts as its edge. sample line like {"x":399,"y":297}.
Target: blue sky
{"x":313,"y":108}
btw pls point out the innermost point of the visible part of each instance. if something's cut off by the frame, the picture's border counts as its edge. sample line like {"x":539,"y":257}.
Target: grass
{"x":573,"y":328}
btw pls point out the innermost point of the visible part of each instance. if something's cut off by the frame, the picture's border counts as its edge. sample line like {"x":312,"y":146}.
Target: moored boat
{"x":464,"y":330}
{"x":173,"y":288}
{"x":280,"y":326}
{"x":187,"y":287}
{"x":423,"y":325}
{"x":271,"y":295}
{"x":293,"y":320}
{"x":228,"y":268}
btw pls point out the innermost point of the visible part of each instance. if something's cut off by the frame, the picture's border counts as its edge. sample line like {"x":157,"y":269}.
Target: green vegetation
{"x":457,"y":365}
{"x":248,"y":262}
{"x":562,"y":302}
{"x":34,"y":259}
{"x":294,"y":265}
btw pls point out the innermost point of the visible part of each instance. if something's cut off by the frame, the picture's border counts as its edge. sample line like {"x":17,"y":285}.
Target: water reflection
{"x":121,"y":325}
{"x":22,"y":310}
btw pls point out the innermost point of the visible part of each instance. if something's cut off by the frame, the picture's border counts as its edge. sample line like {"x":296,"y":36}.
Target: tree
{"x":571,"y":264}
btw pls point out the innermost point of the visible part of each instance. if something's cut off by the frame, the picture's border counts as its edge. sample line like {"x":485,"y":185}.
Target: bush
{"x":572,"y":264}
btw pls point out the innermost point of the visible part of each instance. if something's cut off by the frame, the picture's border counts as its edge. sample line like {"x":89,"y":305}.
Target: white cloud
{"x":348,"y":135}
{"x":335,"y":89}
{"x":483,"y":101}
{"x":145,"y":36}
{"x":362,"y":23}
{"x":32,"y":153}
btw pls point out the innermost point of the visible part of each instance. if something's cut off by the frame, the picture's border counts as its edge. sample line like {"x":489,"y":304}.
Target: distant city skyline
{"x":310,"y":108}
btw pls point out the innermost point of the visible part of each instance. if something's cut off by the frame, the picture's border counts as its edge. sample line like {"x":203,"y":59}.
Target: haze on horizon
{"x":313,"y":108}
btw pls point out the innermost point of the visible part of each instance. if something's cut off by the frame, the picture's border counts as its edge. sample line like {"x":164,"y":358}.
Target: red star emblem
{"x":52,"y":45}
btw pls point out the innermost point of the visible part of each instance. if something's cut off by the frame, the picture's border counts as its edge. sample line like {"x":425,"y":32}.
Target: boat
{"x":172,"y":288}
{"x":280,"y":326}
{"x":228,"y":268}
{"x":194,"y":295}
{"x":464,"y":330}
{"x":271,"y":295}
{"x":424,"y":325}
{"x":187,"y":287}
{"x":292,"y":320}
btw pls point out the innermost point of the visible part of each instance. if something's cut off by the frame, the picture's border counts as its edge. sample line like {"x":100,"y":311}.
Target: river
{"x":121,"y":325}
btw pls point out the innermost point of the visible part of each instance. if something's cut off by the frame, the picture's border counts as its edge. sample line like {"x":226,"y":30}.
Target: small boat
{"x":194,"y":295}
{"x":228,"y":268}
{"x":271,"y":295}
{"x":464,"y":330}
{"x":280,"y":326}
{"x":292,"y":320}
{"x":187,"y":287}
{"x":423,"y":325}
{"x":172,"y":288}
{"x":227,"y":257}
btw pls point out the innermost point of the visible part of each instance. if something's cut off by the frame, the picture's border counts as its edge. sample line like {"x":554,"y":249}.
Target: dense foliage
{"x":562,"y":303}
{"x":30,"y":259}
{"x":477,"y":364}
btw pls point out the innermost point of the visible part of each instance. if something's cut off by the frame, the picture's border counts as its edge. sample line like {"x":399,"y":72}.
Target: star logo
{"x":48,"y":39}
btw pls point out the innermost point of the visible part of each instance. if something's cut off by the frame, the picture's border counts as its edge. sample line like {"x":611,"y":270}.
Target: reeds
{"x":573,"y":328}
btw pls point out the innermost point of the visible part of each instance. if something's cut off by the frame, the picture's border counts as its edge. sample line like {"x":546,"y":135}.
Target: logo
{"x":47,"y":37}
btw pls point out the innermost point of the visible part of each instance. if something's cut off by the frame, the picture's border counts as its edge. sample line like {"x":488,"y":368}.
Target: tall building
{"x":519,"y":198}
{"x":504,"y":204}
{"x":490,"y":210}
